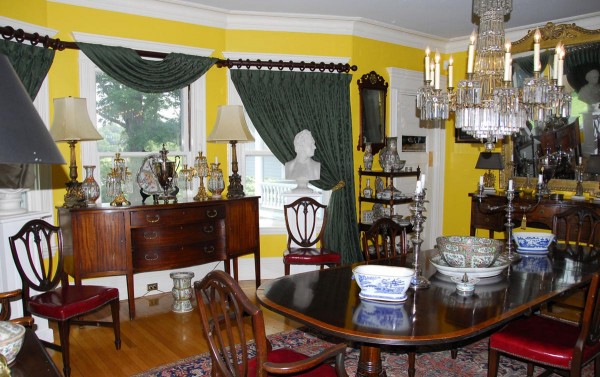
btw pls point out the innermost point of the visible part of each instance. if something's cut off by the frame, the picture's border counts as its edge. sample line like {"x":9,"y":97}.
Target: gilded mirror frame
{"x":372,"y":90}
{"x":551,"y":35}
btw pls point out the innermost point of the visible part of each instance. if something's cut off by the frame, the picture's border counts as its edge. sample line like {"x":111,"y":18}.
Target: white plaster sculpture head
{"x":590,"y":92}
{"x":303,"y":168}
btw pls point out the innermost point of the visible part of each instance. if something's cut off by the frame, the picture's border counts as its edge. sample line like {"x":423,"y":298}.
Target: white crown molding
{"x":138,"y":44}
{"x":29,"y":28}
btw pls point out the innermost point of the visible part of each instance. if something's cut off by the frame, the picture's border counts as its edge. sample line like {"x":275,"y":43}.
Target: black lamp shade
{"x":24,"y":137}
{"x":490,"y":161}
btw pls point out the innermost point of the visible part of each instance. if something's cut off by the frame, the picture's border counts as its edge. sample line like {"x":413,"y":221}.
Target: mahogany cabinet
{"x":104,"y":241}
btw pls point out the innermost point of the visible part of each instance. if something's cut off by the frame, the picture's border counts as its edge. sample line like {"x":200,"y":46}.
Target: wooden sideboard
{"x":539,"y":216}
{"x":106,"y":241}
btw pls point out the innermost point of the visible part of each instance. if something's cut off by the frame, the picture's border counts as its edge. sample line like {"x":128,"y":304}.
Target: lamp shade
{"x":593,"y":164}
{"x":24,"y":136}
{"x":230,"y":125}
{"x":72,"y":121}
{"x":490,"y":161}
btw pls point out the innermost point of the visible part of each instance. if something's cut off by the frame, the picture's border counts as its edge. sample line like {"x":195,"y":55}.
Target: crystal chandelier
{"x":486,"y":104}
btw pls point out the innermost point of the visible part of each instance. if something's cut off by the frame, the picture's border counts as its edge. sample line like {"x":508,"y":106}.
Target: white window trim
{"x":87,"y":89}
{"x":233,"y":99}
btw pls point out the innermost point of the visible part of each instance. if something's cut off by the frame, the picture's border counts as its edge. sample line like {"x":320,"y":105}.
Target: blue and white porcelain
{"x":381,"y":315}
{"x":465,"y":284}
{"x":537,"y":264}
{"x":382,"y":283}
{"x":533,"y":242}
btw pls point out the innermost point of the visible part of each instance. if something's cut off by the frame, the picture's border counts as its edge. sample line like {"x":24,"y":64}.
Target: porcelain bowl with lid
{"x":469,"y":251}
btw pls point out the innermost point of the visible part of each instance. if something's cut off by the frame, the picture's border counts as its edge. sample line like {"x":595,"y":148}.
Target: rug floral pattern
{"x":471,"y":360}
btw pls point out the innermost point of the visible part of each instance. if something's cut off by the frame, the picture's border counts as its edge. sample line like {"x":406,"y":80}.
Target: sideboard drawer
{"x":176,"y":216}
{"x":169,"y":257}
{"x":157,"y":236}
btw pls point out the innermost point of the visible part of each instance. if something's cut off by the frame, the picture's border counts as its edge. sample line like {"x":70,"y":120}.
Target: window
{"x":137,"y":124}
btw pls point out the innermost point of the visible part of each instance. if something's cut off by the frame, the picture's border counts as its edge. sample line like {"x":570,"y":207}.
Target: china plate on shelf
{"x":146,"y":178}
{"x":495,"y":269}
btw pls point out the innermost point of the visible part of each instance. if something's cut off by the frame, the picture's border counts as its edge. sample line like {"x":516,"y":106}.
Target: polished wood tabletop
{"x":33,"y":360}
{"x":328,"y":300}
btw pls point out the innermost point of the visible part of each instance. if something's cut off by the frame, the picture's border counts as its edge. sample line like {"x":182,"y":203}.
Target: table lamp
{"x":72,"y":124}
{"x":231,"y":128}
{"x":490,"y":161}
{"x":24,"y":140}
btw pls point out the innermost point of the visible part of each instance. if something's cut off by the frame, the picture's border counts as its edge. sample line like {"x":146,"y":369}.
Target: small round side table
{"x":182,"y":291}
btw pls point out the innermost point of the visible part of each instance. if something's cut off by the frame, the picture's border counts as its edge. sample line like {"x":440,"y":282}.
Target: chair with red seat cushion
{"x":556,"y":345}
{"x":223,"y":308}
{"x":37,"y":250}
{"x":301,"y":220}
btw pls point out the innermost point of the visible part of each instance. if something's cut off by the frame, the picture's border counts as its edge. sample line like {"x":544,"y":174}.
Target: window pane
{"x":133,"y":121}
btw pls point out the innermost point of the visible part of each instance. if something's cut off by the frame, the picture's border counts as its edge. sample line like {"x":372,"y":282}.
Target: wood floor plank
{"x":155,"y":337}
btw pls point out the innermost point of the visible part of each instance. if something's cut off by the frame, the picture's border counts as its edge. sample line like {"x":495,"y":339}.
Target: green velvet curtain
{"x":175,"y":71}
{"x":281,"y":104}
{"x":579,"y":60}
{"x":32,"y":64}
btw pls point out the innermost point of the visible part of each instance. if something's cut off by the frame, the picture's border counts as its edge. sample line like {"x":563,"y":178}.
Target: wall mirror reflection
{"x":372,"y":89}
{"x":561,"y":144}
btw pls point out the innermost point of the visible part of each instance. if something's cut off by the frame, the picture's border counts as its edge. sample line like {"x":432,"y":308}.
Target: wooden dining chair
{"x":384,"y":239}
{"x":37,"y":250}
{"x":305,"y":242}
{"x":5,"y":310}
{"x":223,"y":308}
{"x":557,"y":346}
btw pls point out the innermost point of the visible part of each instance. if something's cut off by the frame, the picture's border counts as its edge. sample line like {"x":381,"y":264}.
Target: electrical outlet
{"x":152,"y":287}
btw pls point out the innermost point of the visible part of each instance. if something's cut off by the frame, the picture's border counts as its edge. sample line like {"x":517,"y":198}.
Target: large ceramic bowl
{"x":11,"y":340}
{"x":384,"y":283}
{"x":468,"y":251}
{"x":533,"y":242}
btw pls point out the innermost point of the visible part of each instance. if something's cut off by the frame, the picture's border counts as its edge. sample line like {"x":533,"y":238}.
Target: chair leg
{"x":287,"y":268}
{"x":530,"y":369}
{"x":493,"y":359}
{"x":63,"y":331}
{"x":597,"y":366}
{"x":454,"y":353}
{"x":411,"y":364}
{"x":114,"y":308}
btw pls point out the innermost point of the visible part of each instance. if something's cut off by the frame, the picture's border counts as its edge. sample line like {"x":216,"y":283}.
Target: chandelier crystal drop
{"x":485,"y":104}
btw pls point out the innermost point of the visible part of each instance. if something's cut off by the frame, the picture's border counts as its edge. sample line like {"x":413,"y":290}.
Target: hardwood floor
{"x":156,"y":336}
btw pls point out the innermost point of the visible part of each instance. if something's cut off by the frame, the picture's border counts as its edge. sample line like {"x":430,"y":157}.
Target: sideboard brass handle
{"x":208,"y":228}
{"x":150,"y":235}
{"x":147,"y":258}
{"x":212,"y":213}
{"x":152,"y":219}
{"x":209,"y":249}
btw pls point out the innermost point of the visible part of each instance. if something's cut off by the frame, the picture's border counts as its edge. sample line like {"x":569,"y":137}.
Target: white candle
{"x":418,"y":188}
{"x":216,"y":159}
{"x":540,"y":179}
{"x":510,"y":185}
{"x":507,"y":62}
{"x":427,"y":64}
{"x":471,"y":54}
{"x":437,"y":71}
{"x":561,"y":62}
{"x":536,"y":51}
{"x":481,"y":180}
{"x":450,"y":72}
{"x":422,"y":179}
{"x":432,"y":74}
{"x":555,"y":64}
{"x":579,"y":160}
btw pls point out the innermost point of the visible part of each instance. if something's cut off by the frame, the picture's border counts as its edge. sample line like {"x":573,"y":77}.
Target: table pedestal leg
{"x":369,"y":362}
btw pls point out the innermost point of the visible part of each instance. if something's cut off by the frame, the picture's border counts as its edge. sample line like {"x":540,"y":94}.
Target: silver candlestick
{"x":418,"y":281}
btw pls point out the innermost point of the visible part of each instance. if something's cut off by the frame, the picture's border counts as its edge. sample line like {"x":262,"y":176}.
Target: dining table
{"x":437,"y":317}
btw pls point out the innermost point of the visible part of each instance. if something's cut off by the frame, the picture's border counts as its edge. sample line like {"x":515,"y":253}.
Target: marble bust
{"x":303,"y":168}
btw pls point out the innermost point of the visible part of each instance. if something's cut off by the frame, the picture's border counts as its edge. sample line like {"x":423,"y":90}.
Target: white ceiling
{"x":441,"y":18}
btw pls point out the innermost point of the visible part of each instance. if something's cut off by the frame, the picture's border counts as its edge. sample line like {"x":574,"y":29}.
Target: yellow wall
{"x":367,"y":54}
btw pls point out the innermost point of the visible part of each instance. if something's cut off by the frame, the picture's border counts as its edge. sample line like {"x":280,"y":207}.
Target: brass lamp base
{"x":235,"y":188}
{"x":75,"y":197}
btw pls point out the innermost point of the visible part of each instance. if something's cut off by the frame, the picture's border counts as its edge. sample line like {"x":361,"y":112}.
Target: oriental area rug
{"x":471,"y":360}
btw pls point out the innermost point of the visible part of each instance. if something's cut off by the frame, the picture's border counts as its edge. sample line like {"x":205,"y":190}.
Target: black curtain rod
{"x":9,"y":33}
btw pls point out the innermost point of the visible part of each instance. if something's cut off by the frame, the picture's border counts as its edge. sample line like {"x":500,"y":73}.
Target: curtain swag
{"x":174,"y":72}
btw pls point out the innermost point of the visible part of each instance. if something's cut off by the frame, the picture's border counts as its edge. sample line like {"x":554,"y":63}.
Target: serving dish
{"x":495,"y":269}
{"x":533,"y":242}
{"x":469,"y":251}
{"x":382,"y":283}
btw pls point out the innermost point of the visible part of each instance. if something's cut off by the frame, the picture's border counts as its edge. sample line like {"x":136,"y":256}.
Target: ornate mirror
{"x":580,"y":133}
{"x":373,"y":93}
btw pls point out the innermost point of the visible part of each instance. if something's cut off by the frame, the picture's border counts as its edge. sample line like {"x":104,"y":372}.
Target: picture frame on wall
{"x":462,"y":137}
{"x":414,"y":143}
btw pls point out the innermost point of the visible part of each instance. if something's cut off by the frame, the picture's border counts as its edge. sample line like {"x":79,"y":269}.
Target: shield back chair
{"x":5,"y":310}
{"x":384,"y":239}
{"x":557,"y":346}
{"x":577,"y":233}
{"x":224,"y":310}
{"x":301,"y":221}
{"x":37,"y":251}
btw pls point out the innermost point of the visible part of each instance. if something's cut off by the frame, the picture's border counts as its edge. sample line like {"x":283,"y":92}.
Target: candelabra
{"x":417,"y":207}
{"x":201,"y":171}
{"x":118,"y":180}
{"x":509,"y":208}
